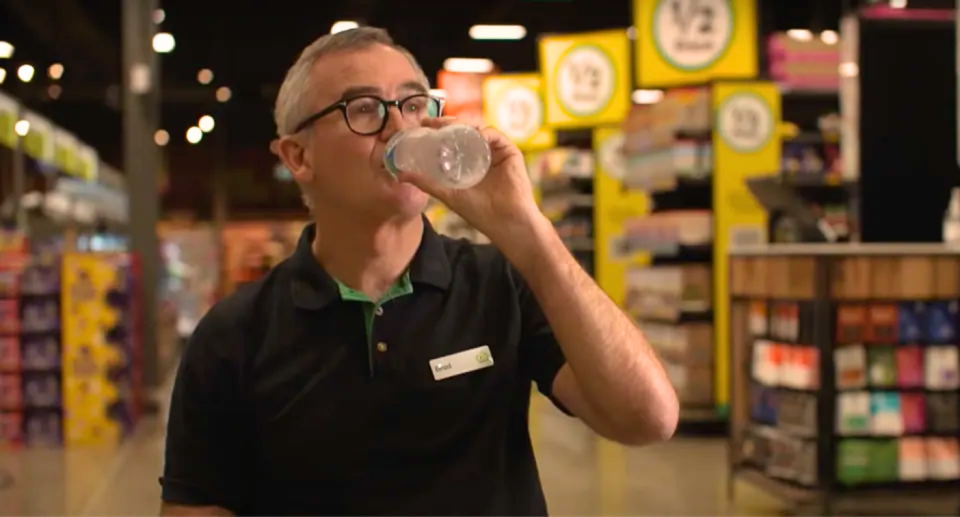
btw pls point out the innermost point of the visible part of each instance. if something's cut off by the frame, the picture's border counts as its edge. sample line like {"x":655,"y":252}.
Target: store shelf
{"x":846,"y":372}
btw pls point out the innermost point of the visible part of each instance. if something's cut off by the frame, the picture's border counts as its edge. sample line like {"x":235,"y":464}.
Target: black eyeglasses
{"x":367,"y":115}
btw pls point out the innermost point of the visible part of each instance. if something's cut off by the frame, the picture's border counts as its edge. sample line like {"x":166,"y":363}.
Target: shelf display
{"x":799,"y":60}
{"x":692,"y":153}
{"x":251,"y":249}
{"x":101,"y":375}
{"x":564,"y":177}
{"x":845,"y":369}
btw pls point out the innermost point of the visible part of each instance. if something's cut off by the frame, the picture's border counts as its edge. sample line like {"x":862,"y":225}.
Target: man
{"x":383,"y":369}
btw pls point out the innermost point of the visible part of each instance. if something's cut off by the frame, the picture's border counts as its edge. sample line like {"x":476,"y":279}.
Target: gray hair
{"x":292,"y":99}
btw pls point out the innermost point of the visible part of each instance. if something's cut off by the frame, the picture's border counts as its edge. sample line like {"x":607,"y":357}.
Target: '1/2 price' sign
{"x":586,"y":78}
{"x":513,"y":104}
{"x":690,"y":41}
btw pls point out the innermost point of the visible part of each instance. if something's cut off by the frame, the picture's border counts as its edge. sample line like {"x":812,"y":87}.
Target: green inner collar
{"x":402,"y":287}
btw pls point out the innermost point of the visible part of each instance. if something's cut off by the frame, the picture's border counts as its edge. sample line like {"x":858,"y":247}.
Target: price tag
{"x":692,"y":35}
{"x":745,"y":122}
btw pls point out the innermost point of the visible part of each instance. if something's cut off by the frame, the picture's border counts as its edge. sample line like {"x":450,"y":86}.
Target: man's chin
{"x":407,"y":199}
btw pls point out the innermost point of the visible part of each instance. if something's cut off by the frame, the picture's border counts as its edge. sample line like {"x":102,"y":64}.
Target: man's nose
{"x":395,"y":123}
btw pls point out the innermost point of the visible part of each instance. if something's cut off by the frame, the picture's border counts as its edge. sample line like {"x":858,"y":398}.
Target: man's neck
{"x":368,"y":258}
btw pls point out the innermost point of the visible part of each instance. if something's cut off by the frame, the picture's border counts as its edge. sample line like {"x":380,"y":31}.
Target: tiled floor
{"x":581,"y":475}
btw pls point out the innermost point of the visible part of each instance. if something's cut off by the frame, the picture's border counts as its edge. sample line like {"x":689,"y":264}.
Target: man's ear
{"x":294,"y":156}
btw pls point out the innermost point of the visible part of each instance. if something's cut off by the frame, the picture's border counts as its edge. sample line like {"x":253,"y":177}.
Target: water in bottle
{"x":456,"y":156}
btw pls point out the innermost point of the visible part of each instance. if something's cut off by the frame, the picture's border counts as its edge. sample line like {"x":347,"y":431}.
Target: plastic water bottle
{"x":457,"y":156}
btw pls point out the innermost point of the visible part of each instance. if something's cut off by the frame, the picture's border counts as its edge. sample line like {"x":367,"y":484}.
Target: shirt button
{"x":381,"y":347}
{"x":378,"y":311}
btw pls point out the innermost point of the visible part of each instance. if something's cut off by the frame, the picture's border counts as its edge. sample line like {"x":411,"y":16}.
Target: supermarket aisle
{"x":684,"y":477}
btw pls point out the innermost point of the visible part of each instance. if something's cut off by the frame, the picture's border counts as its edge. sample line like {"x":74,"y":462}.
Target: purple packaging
{"x":41,"y":390}
{"x":43,"y":428}
{"x":941,"y":322}
{"x":911,"y":316}
{"x":41,"y":353}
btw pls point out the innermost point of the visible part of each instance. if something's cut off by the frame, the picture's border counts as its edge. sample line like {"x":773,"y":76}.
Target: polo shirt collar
{"x":312,"y":288}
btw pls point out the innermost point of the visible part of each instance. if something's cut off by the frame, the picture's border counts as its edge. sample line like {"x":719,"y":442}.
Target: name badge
{"x":461,"y":362}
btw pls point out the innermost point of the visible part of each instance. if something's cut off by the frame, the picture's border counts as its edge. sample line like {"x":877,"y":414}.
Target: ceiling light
{"x":206,"y":123}
{"x":224,"y":94}
{"x":468,"y":65}
{"x":162,"y":138}
{"x":498,"y":32}
{"x":343,"y":25}
{"x":800,"y":34}
{"x":646,"y":96}
{"x":194,"y":135}
{"x":22,"y":127}
{"x":54,"y":91}
{"x":829,"y":37}
{"x":55,"y":71}
{"x":25,"y":73}
{"x":205,"y":76}
{"x":898,"y":4}
{"x":3,"y":75}
{"x":164,"y":43}
{"x":6,"y":50}
{"x":158,"y":16}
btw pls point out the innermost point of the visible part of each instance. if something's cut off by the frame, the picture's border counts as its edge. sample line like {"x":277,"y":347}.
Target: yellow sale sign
{"x":513,"y":104}
{"x":694,"y":41}
{"x":587,"y":78}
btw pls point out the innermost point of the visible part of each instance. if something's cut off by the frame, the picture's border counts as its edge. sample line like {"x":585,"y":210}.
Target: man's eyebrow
{"x":355,"y":91}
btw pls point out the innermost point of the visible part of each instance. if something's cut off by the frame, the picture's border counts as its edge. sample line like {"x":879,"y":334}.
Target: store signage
{"x":693,"y":41}
{"x":65,"y":152}
{"x":38,"y":143}
{"x":745,"y":122}
{"x":88,"y":162}
{"x":614,"y":207}
{"x":464,"y":95}
{"x":9,"y":108}
{"x":746,"y":144}
{"x":587,"y":78}
{"x":514,"y":105}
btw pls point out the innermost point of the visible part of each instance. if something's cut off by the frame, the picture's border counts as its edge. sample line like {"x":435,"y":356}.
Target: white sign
{"x":691,"y":35}
{"x":745,"y":122}
{"x":585,"y":80}
{"x":520,"y":113}
{"x":613,"y":161}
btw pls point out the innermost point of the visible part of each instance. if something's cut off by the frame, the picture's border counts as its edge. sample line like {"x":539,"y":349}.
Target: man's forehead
{"x":377,"y":66}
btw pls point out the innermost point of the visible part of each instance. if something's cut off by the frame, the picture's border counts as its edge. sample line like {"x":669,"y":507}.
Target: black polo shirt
{"x":298,"y":396}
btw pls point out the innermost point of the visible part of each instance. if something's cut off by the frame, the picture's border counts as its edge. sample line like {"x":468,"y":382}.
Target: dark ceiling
{"x":249,"y":46}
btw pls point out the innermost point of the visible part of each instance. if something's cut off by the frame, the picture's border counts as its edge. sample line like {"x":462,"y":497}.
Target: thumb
{"x":424,"y":183}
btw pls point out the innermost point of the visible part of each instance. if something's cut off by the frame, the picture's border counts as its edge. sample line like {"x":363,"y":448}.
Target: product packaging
{"x":886,"y":418}
{"x":943,"y":413}
{"x":913,"y":407}
{"x":943,"y":457}
{"x":942,"y":368}
{"x":913,"y":459}
{"x":882,"y":366}
{"x":853,"y":413}
{"x":883,"y":323}
{"x":912,"y":316}
{"x":851,"y":324}
{"x":850,"y":365}
{"x":910,"y":371}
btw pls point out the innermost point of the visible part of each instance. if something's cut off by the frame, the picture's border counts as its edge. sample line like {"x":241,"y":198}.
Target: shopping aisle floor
{"x":581,"y":476}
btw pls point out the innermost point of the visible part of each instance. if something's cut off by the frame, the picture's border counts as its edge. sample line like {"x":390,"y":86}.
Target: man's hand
{"x":501,"y":206}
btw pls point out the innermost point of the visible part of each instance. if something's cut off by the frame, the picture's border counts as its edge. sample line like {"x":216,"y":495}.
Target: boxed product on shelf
{"x":807,"y":64}
{"x":694,"y":383}
{"x":689,"y":343}
{"x":668,"y":231}
{"x":10,"y":360}
{"x":11,"y":428}
{"x":889,"y":406}
{"x":689,"y":286}
{"x":99,"y":353}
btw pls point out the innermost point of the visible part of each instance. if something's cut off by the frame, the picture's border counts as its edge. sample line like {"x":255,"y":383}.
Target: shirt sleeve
{"x":205,"y":450}
{"x":540,"y":354}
